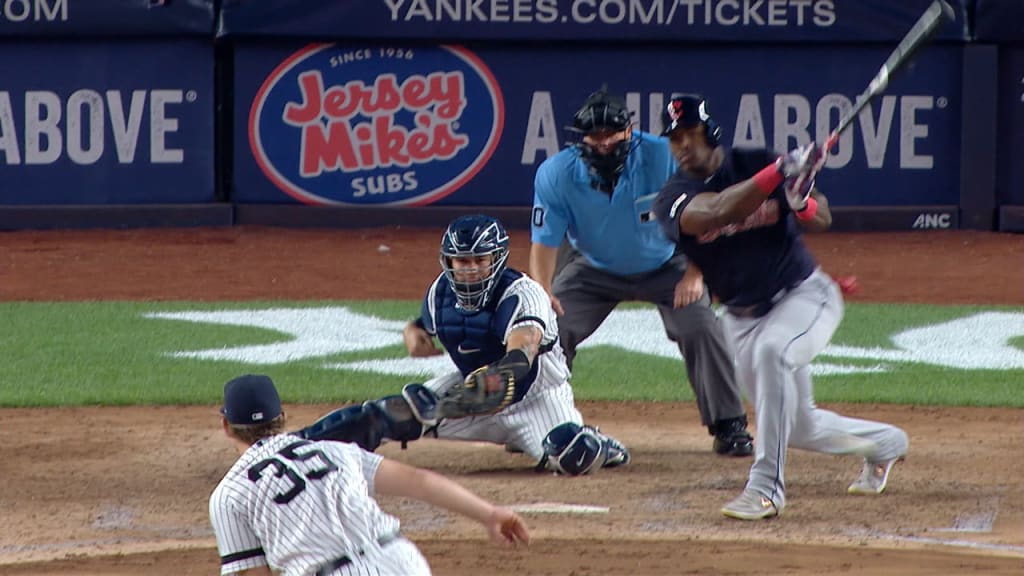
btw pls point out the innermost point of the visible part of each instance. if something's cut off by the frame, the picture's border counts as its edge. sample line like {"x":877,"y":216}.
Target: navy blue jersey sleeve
{"x":425,"y":319}
{"x":671,"y":201}
{"x":428,"y":310}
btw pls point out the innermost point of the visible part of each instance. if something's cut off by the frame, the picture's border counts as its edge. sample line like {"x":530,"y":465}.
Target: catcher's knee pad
{"x":401,"y":421}
{"x":368,"y":424}
{"x":573,"y":450}
{"x":423,"y":403}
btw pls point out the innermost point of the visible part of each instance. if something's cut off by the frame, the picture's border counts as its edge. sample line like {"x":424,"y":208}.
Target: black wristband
{"x":517,"y":362}
{"x":419,"y":323}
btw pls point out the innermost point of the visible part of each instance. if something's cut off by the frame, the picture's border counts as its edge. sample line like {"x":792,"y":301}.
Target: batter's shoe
{"x":751,"y":505}
{"x":873,"y":478}
{"x":732,"y":438}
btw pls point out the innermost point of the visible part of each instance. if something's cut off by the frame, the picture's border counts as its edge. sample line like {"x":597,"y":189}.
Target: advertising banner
{"x":93,"y":18}
{"x":999,"y":21}
{"x":571,"y":20}
{"x":1010,"y":179}
{"x":371,"y":124}
{"x":92,"y":123}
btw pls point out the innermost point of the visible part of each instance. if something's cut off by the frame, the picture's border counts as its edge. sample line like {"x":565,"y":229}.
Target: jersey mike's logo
{"x":373,"y":126}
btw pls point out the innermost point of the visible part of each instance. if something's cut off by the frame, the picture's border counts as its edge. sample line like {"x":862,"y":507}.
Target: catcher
{"x":512,"y":384}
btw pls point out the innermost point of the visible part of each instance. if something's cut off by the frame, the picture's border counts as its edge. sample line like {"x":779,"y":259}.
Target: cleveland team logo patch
{"x":336,"y":124}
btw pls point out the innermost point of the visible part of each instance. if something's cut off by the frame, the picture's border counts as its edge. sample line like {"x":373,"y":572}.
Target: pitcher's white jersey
{"x":296,"y":504}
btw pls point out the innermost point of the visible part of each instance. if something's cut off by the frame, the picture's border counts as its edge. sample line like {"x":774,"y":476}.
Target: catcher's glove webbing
{"x":487,"y":389}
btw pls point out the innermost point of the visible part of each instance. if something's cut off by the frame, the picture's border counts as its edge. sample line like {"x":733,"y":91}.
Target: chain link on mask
{"x":606,"y":168}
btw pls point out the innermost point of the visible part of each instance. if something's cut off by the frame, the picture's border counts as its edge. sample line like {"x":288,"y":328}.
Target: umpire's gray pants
{"x":588,"y":295}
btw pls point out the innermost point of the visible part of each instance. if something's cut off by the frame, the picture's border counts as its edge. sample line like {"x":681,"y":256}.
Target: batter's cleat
{"x":750,"y":505}
{"x":732,"y":438}
{"x":873,"y":478}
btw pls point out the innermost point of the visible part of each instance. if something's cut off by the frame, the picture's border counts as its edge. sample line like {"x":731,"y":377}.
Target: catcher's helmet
{"x":687,"y":110}
{"x":471,"y":236}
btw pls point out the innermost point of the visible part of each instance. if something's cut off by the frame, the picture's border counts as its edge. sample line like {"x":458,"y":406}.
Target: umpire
{"x":599,"y":194}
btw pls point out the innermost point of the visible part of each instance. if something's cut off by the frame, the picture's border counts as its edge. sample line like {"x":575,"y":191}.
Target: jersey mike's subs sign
{"x":334,"y":124}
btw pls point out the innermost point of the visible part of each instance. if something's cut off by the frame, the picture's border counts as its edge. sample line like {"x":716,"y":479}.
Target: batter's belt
{"x":761,"y":308}
{"x":342,"y":561}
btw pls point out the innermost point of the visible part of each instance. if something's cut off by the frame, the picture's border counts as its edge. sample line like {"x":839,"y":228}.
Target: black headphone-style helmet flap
{"x":687,"y":110}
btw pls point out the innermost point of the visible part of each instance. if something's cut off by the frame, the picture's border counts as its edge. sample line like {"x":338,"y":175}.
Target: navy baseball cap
{"x":684,"y":111}
{"x":251,"y":399}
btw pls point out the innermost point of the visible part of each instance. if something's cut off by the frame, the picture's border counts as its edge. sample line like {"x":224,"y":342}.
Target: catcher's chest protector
{"x":473,"y":340}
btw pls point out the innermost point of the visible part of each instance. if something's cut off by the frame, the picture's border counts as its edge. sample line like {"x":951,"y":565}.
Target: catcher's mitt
{"x":486,"y":390}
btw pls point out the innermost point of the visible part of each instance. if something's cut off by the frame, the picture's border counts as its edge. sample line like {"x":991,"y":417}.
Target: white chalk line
{"x":559,"y":508}
{"x":938,"y":541}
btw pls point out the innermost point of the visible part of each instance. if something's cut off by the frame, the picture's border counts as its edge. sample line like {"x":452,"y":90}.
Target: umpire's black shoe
{"x":732,"y":438}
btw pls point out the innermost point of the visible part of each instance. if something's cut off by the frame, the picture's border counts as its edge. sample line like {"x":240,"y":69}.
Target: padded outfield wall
{"x":326,"y":112}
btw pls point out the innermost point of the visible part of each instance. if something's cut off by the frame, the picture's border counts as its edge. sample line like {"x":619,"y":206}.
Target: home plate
{"x":559,"y":508}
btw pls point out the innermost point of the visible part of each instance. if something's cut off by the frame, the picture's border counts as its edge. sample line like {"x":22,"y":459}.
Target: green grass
{"x":67,"y":354}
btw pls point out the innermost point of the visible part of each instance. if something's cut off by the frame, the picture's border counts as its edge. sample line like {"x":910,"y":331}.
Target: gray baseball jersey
{"x":297,"y":505}
{"x":549,"y":401}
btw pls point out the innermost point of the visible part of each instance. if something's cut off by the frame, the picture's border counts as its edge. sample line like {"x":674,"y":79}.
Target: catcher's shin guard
{"x":574,"y":450}
{"x":368,"y":424}
{"x":355,"y":424}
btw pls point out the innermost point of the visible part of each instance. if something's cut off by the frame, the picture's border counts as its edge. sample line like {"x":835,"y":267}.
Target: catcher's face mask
{"x":474,"y":252}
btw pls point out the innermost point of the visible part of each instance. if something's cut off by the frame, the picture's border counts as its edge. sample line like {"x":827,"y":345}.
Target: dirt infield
{"x":124,"y":490}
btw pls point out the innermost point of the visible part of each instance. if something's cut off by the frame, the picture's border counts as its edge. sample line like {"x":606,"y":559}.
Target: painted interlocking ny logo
{"x":978,"y":342}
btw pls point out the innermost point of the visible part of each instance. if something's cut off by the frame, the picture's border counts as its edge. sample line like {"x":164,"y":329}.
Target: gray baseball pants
{"x":588,"y":295}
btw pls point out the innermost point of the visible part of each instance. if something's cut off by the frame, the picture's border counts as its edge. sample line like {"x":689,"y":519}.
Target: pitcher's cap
{"x":251,"y":399}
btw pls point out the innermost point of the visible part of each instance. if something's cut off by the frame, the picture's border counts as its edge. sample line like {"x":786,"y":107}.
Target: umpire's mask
{"x":603,"y":116}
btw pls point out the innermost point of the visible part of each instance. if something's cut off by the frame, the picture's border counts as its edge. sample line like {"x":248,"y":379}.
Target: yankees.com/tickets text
{"x":819,"y":13}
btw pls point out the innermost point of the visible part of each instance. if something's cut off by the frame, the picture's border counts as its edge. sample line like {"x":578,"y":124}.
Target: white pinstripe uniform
{"x":296,"y":505}
{"x":549,"y":401}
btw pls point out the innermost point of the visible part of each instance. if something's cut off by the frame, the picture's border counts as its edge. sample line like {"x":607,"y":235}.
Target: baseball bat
{"x":918,"y":35}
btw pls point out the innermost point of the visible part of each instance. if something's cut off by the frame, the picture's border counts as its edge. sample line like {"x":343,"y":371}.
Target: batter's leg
{"x":776,"y":346}
{"x":825,"y":431}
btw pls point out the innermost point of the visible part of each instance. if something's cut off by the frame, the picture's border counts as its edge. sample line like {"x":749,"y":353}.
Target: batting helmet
{"x":471,"y":236}
{"x":687,"y":110}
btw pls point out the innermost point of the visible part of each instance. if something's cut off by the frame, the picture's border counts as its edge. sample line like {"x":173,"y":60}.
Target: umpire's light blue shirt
{"x":619,"y":234}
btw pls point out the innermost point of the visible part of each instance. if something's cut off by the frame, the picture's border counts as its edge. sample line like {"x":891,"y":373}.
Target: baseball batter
{"x":738,"y":214}
{"x":598,"y":193}
{"x":303,"y":507}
